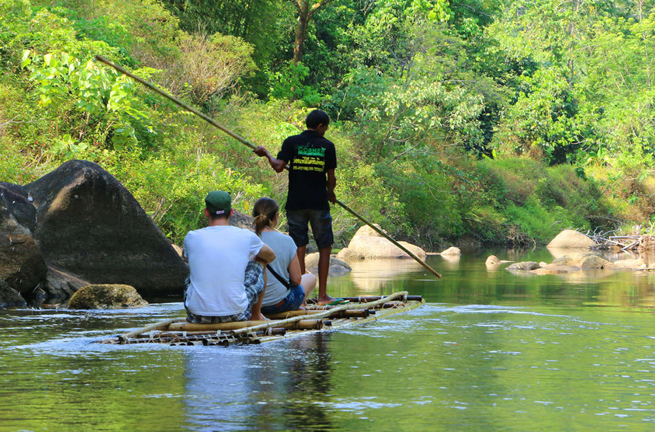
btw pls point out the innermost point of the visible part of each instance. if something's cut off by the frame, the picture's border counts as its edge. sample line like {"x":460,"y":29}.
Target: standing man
{"x":311,"y":160}
{"x":227,"y":277}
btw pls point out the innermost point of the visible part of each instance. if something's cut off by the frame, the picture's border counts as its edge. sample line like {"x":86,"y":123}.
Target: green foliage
{"x":432,"y":104}
{"x":288,"y":84}
{"x":107,"y":99}
{"x":173,"y":186}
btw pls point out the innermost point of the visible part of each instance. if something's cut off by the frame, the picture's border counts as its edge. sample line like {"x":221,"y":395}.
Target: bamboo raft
{"x":360,"y":310}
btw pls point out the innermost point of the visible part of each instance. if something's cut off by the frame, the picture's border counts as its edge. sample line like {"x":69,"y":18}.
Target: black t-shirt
{"x":309,"y":157}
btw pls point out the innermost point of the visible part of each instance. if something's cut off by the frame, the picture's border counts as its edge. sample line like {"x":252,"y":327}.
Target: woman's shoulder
{"x":278,"y":236}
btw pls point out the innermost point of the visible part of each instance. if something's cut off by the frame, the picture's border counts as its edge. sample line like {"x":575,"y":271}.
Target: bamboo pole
{"x":162,"y":325}
{"x":325,"y":314}
{"x":385,"y":235}
{"x":304,"y":323}
{"x":252,"y":146}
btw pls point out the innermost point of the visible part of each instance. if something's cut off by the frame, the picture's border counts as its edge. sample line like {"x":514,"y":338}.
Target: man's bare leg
{"x":256,"y":310}
{"x":302,"y":250}
{"x":323,"y":270}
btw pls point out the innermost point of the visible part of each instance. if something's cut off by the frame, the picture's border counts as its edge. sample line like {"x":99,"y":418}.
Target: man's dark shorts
{"x":321,"y":222}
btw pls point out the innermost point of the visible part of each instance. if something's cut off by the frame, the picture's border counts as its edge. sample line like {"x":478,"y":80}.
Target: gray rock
{"x":523,"y":266}
{"x":22,"y":265}
{"x":347,"y":254}
{"x":594,"y":262}
{"x":106,"y":296}
{"x":61,"y":285}
{"x":241,"y":220}
{"x":9,"y":297}
{"x":337,"y":266}
{"x":574,"y":259}
{"x":91,"y":226}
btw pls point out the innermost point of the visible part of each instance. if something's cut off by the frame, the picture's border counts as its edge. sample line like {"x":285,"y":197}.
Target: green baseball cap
{"x":218,"y":202}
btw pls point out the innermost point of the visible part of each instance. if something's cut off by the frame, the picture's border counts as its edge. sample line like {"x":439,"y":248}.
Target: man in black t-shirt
{"x":311,"y":160}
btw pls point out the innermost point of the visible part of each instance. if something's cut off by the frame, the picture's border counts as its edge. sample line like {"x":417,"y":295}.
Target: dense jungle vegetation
{"x":492,"y":121}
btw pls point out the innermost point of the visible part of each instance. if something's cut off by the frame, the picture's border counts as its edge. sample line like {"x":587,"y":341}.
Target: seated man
{"x":227,"y":280}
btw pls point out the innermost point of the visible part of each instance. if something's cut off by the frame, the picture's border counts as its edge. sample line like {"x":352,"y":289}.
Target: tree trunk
{"x":301,"y":31}
{"x":305,"y":11}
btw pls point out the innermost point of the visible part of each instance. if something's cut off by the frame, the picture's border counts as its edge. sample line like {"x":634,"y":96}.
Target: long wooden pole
{"x":253,"y":146}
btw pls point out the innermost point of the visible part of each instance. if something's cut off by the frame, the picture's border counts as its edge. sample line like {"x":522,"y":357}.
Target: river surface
{"x":490,"y":351}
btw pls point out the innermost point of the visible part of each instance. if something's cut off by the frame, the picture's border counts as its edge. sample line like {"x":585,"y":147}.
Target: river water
{"x":490,"y":351}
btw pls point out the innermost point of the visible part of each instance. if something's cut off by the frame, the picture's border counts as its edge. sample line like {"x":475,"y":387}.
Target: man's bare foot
{"x":322,"y":301}
{"x":260,"y":318}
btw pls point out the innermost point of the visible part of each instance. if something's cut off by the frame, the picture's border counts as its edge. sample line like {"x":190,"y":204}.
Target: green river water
{"x":490,"y":351}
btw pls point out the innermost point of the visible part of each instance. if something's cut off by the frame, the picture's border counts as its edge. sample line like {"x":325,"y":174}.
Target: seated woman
{"x":286,"y":288}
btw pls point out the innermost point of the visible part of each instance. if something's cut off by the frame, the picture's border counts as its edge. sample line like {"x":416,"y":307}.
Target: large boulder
{"x":9,"y":297}
{"x":367,"y":243}
{"x":106,"y":296}
{"x":571,"y":239}
{"x":337,"y":267}
{"x":61,"y":285}
{"x":91,"y":226}
{"x":22,"y":266}
{"x":242,"y":220}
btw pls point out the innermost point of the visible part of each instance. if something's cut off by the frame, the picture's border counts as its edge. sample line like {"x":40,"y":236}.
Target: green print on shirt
{"x":311,"y":151}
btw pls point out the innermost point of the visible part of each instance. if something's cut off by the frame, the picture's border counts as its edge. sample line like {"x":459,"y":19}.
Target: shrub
{"x":210,"y":65}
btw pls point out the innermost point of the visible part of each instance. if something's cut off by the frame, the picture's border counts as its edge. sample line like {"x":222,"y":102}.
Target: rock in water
{"x":367,"y":243}
{"x":22,"y":266}
{"x":61,"y":285}
{"x":90,"y":225}
{"x":9,"y":297}
{"x":337,"y":266}
{"x":452,"y":251}
{"x":492,"y":260}
{"x":106,"y":296}
{"x":595,"y":262}
{"x":523,"y":266}
{"x":571,"y":239}
{"x":574,"y":259}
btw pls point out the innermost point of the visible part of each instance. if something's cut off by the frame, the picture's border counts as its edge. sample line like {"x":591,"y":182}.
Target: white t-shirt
{"x":218,"y":257}
{"x":285,"y":249}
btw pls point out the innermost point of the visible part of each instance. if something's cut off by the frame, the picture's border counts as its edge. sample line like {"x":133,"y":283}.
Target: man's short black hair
{"x":316,"y":118}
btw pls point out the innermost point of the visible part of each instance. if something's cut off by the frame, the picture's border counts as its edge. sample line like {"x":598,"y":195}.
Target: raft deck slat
{"x":315,"y":318}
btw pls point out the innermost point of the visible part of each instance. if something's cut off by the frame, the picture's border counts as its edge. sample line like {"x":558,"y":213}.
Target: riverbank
{"x":428,"y":179}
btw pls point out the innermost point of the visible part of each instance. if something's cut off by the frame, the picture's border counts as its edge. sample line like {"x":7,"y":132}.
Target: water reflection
{"x":450,"y":261}
{"x":560,"y":252}
{"x":242,"y":389}
{"x":373,"y":276}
